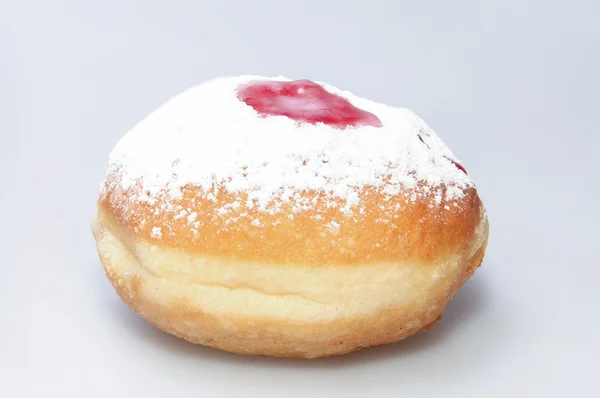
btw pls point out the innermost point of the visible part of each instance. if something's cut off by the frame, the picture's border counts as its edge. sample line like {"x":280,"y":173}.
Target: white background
{"x":512,"y":86}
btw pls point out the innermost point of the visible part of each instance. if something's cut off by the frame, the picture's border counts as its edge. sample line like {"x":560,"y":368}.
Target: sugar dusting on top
{"x":207,"y":137}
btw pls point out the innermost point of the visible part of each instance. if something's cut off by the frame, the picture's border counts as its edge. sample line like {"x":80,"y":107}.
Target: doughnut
{"x":286,"y":218}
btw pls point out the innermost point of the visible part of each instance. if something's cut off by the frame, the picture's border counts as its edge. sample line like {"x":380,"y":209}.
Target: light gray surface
{"x":511,"y":86}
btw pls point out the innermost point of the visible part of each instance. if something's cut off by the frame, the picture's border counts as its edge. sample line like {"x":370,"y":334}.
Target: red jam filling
{"x":459,"y":166}
{"x":304,"y":101}
{"x":454,"y":162}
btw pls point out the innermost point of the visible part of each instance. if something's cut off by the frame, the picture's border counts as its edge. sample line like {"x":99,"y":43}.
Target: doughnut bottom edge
{"x":166,"y":305}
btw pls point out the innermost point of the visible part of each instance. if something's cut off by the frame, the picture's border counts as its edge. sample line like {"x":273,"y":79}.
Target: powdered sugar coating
{"x":207,"y":137}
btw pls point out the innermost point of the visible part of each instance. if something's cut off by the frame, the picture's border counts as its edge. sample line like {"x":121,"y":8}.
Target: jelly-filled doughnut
{"x":265,"y":216}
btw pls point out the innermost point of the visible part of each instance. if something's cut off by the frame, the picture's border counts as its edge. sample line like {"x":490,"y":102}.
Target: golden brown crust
{"x":423,"y":227}
{"x":169,"y":307}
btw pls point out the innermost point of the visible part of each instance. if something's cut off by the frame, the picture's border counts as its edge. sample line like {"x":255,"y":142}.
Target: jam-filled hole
{"x":304,"y":101}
